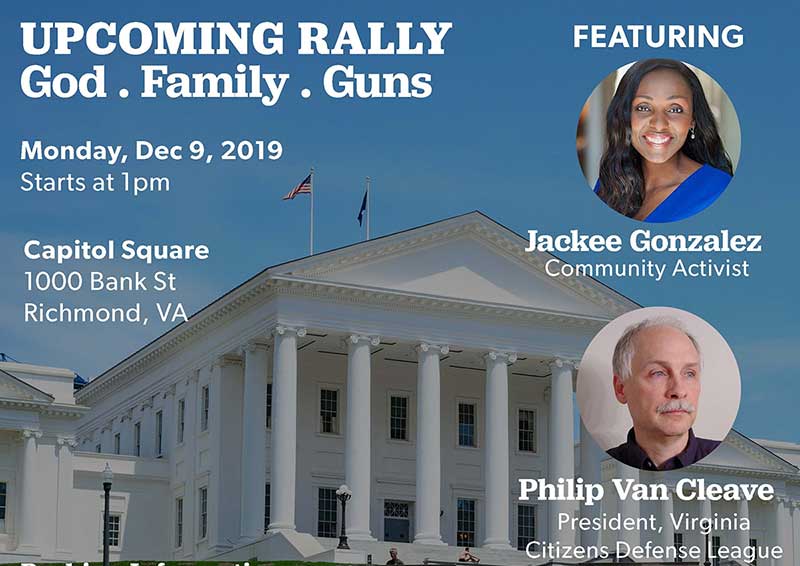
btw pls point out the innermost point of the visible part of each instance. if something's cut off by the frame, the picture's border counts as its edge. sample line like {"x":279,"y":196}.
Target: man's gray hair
{"x":625,"y":348}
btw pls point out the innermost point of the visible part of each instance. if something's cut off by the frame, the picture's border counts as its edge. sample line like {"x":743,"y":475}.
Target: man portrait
{"x":658,"y":375}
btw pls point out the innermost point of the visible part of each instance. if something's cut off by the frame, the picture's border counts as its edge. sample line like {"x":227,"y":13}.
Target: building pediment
{"x":466,"y":264}
{"x":741,"y":455}
{"x":470,"y":258}
{"x":14,"y":389}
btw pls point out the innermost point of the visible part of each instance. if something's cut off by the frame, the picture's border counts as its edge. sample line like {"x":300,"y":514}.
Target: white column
{"x":27,"y":540}
{"x":627,"y":507}
{"x":357,"y":444}
{"x":561,"y":458}
{"x":782,"y":527}
{"x":168,"y":421}
{"x":496,"y":453}
{"x":796,"y":530}
{"x":254,"y":441}
{"x":592,"y":457}
{"x":126,"y":433}
{"x":148,"y":429}
{"x":705,"y":513}
{"x":216,"y":522}
{"x":428,"y":503}
{"x":107,"y":438}
{"x":284,"y":428}
{"x":64,"y":503}
{"x":743,"y":535}
{"x":192,"y":420}
{"x":667,"y":528}
{"x":227,"y":404}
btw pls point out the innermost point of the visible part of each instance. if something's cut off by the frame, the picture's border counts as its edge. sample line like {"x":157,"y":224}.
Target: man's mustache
{"x":676,"y":405}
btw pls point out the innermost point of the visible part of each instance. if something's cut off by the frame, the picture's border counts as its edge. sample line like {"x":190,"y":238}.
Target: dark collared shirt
{"x":631,"y":453}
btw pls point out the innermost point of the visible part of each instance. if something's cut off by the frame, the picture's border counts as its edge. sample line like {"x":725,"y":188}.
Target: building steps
{"x":411,"y":553}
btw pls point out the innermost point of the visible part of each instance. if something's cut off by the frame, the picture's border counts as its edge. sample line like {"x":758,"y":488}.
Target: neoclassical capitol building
{"x":427,"y":370}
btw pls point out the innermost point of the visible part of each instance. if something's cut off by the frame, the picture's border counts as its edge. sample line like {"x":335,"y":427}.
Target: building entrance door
{"x":396,"y":520}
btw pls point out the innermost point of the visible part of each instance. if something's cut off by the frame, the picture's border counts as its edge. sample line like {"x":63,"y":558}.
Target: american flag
{"x":303,"y":188}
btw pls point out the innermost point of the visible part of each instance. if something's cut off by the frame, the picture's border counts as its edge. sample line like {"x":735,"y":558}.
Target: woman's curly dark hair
{"x":621,"y":183}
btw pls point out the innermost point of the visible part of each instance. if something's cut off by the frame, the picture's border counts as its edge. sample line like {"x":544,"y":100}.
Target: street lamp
{"x":707,"y":561}
{"x":343,"y":494}
{"x":108,"y":477}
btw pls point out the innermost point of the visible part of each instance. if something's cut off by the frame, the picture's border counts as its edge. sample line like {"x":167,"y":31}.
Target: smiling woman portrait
{"x":663,"y":158}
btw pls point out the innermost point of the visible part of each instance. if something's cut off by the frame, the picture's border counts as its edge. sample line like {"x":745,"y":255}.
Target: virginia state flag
{"x":363,"y":208}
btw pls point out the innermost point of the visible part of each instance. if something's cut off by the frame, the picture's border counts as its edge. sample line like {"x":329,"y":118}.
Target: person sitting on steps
{"x":394,"y":560}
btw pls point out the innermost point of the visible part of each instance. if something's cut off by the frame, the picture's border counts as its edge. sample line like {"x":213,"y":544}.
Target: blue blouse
{"x":696,"y":193}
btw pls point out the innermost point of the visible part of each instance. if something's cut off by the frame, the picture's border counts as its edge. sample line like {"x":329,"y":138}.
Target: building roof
{"x":324,"y":274}
{"x":14,"y":387}
{"x":23,"y":387}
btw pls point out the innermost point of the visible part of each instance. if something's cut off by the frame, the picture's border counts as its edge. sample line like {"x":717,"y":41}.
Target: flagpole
{"x":369,"y":213}
{"x":311,"y":223}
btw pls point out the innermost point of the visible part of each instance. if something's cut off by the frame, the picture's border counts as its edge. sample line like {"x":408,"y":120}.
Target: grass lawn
{"x":176,"y":563}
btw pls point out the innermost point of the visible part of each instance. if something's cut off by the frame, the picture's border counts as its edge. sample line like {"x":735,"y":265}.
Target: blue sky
{"x":497,"y":135}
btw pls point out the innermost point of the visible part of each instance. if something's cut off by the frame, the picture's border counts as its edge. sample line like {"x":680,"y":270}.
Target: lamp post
{"x":343,"y":494}
{"x":707,"y":561}
{"x":108,"y":477}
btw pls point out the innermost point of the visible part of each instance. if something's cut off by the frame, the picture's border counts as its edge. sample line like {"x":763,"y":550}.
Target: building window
{"x":527,"y":430}
{"x":329,"y":411}
{"x":117,"y":443}
{"x":466,"y":425}
{"x":266,"y":508}
{"x":113,"y":530}
{"x":754,"y":546}
{"x":178,"y":522}
{"x":181,"y":420}
{"x":326,"y":516}
{"x":526,"y":525}
{"x":465,"y":534}
{"x":396,"y":521}
{"x":203,"y":515}
{"x":137,"y":439}
{"x":396,"y":509}
{"x":269,"y":405}
{"x":3,"y":488}
{"x":716,"y":542}
{"x":678,"y":543}
{"x":398,"y":417}
{"x":159,"y":433}
{"x":204,"y":404}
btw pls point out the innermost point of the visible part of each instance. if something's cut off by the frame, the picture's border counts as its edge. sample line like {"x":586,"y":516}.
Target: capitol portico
{"x":428,"y":370}
{"x":361,"y":357}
